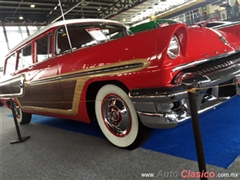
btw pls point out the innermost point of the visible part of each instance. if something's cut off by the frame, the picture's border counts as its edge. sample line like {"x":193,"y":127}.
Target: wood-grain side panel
{"x":49,"y":95}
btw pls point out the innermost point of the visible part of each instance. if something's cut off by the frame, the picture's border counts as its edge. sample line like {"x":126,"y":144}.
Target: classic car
{"x":211,"y":23}
{"x":151,"y":25}
{"x":87,"y":70}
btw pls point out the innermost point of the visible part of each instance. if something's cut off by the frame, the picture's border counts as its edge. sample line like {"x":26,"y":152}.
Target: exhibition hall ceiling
{"x":42,"y":12}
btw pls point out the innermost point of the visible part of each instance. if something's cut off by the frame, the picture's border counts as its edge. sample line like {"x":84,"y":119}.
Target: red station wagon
{"x":93,"y":69}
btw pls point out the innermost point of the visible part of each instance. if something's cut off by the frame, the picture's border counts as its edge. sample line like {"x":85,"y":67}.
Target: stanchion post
{"x":20,"y":138}
{"x":197,"y":131}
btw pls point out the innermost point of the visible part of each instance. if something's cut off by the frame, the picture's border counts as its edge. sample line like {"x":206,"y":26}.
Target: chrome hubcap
{"x":116,"y":115}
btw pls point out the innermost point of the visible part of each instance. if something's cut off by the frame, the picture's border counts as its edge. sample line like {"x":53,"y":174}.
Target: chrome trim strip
{"x":20,"y":85}
{"x":195,"y":63}
{"x":156,"y":121}
{"x":151,"y":114}
{"x":166,"y":120}
{"x":90,"y":72}
{"x":162,"y":95}
{"x":44,"y":81}
{"x":104,"y":70}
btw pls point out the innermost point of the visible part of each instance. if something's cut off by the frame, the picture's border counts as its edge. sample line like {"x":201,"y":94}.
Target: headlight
{"x":173,"y":48}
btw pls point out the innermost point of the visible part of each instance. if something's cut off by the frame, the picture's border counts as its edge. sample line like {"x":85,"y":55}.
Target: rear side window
{"x":43,"y":48}
{"x":10,"y":64}
{"x":25,"y":57}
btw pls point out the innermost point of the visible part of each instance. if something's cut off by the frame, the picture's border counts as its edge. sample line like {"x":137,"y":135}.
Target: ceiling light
{"x":99,"y":8}
{"x":21,"y":17}
{"x":32,"y":5}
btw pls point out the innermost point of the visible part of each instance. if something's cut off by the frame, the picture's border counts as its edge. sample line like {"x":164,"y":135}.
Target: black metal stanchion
{"x":197,"y":132}
{"x":20,"y":138}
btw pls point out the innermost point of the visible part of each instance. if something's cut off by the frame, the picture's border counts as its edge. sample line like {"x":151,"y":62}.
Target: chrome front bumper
{"x":169,"y":107}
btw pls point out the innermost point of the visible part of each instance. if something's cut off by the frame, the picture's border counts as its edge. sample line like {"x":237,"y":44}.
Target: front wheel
{"x":118,"y":119}
{"x":22,"y":117}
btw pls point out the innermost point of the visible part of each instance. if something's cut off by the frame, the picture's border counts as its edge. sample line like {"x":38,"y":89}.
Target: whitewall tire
{"x":22,"y":117}
{"x":117,"y":117}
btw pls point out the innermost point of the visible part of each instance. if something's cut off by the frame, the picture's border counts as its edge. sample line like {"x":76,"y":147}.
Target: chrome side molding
{"x":13,"y":87}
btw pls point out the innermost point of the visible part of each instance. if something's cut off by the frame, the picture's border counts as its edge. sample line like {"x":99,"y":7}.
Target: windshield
{"x":212,"y":24}
{"x":85,"y":35}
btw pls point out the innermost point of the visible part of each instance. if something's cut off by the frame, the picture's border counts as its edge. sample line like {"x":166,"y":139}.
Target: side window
{"x":25,"y":57}
{"x":43,"y":48}
{"x":78,"y":35}
{"x":62,"y":44}
{"x":10,"y":64}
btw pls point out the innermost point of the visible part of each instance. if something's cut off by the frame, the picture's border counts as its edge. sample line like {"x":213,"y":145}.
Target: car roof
{"x":60,"y":23}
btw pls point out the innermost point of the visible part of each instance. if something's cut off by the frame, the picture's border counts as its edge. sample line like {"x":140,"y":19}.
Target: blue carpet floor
{"x":220,"y":133}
